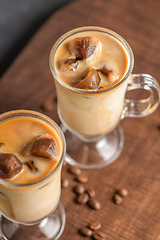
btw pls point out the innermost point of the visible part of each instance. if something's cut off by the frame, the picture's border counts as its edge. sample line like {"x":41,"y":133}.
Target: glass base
{"x":94,"y":155}
{"x":51,"y":227}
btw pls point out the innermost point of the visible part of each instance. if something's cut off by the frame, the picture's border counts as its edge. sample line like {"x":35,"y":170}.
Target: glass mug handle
{"x":146,"y":106}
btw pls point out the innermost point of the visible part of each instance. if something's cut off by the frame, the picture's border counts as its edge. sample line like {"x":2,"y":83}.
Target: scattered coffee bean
{"x":74,"y":170}
{"x":82,"y":178}
{"x":82,"y":198}
{"x":118,"y":199}
{"x":95,"y":226}
{"x":123,"y":192}
{"x":64,"y":182}
{"x":94,"y":203}
{"x":79,"y":188}
{"x":86,"y":232}
{"x":99,"y":236}
{"x":48,"y":105}
{"x":91,"y":192}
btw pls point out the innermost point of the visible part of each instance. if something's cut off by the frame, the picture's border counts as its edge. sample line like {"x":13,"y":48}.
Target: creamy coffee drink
{"x":30,"y":150}
{"x":93,"y":56}
{"x":88,"y":66}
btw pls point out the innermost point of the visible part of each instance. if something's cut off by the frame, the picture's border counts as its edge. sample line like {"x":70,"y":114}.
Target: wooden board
{"x":28,"y":83}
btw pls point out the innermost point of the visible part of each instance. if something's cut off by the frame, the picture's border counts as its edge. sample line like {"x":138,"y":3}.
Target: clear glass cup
{"x":90,"y":119}
{"x":33,"y":209}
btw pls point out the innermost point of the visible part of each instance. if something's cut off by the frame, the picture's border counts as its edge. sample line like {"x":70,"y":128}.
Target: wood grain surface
{"x":28,"y":83}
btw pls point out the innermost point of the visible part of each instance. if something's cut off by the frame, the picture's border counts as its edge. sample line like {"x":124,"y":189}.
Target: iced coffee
{"x":31,"y":152}
{"x":89,"y":65}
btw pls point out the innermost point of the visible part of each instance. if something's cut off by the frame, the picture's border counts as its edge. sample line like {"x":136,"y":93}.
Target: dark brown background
{"x":28,"y":83}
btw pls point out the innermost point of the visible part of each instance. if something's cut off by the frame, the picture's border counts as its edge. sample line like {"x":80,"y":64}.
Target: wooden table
{"x":28,"y":83}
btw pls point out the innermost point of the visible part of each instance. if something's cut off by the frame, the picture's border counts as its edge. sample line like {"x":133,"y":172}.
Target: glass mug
{"x":90,"y":119}
{"x":33,"y":209}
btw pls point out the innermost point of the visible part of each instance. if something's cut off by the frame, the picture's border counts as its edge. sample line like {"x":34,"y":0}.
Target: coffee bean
{"x":94,"y":203}
{"x":74,"y":170}
{"x":82,"y":178}
{"x":64,"y":182}
{"x":79,"y":188}
{"x":91,"y":192}
{"x":86,"y":232}
{"x":123,"y":192}
{"x":118,"y":199}
{"x":48,"y":105}
{"x":82,"y":198}
{"x":99,"y":236}
{"x":95,"y":226}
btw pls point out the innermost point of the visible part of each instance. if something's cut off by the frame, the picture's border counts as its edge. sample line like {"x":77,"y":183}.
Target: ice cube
{"x":68,"y":64}
{"x":83,"y":47}
{"x":105,"y":71}
{"x":32,"y":166}
{"x":2,"y":146}
{"x":109,"y":73}
{"x":44,"y":146}
{"x":10,"y":165}
{"x":91,"y":81}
